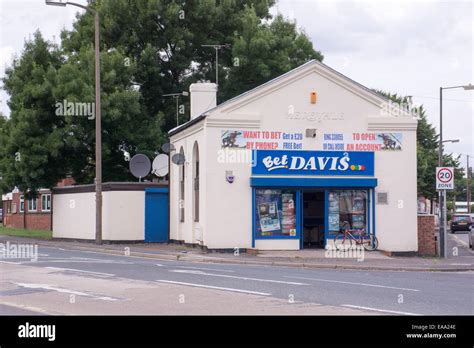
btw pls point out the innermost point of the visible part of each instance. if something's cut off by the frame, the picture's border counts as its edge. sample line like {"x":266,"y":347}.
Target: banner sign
{"x":276,"y":162}
{"x":261,"y":140}
{"x":362,"y":141}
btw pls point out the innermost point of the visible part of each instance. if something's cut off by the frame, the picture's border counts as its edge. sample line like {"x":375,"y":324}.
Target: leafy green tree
{"x":262,"y":51}
{"x":427,"y":141}
{"x":32,"y":148}
{"x":148,"y":48}
{"x":3,"y":142}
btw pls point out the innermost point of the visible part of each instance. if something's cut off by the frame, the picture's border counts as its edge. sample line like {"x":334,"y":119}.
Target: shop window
{"x":196,"y":182}
{"x":22,"y":204}
{"x":276,"y":213}
{"x":32,"y":204}
{"x":46,"y":202}
{"x":181,"y":188}
{"x":347,"y":210}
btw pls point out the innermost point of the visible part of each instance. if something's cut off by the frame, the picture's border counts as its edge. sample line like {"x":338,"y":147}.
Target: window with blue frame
{"x":347,"y":210}
{"x":275,"y":213}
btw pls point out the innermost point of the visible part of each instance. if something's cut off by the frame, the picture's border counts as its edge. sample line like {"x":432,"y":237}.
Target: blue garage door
{"x":156,"y":215}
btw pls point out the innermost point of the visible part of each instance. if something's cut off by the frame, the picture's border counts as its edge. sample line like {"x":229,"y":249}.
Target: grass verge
{"x":16,"y":232}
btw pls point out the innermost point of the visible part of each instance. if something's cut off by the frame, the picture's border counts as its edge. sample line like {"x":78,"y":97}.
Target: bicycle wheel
{"x":343,"y":244}
{"x":371,"y":243}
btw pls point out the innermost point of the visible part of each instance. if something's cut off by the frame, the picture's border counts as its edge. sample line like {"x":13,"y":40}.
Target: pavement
{"x":460,"y":257}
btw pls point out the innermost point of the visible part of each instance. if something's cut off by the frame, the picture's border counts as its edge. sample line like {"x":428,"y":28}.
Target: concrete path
{"x":461,"y":258}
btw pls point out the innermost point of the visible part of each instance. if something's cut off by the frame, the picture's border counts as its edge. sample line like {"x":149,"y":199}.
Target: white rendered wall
{"x":189,"y":231}
{"x":74,"y":215}
{"x":228,"y":207}
{"x":123,"y":215}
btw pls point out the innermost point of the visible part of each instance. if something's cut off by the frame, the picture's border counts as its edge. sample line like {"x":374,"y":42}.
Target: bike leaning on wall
{"x":348,"y":238}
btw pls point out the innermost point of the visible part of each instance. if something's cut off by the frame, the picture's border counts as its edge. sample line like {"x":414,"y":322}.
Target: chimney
{"x":203,"y":98}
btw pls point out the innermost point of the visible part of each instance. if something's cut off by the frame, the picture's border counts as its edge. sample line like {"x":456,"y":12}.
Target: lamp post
{"x":442,"y":193}
{"x":176,"y":97}
{"x":98,"y":130}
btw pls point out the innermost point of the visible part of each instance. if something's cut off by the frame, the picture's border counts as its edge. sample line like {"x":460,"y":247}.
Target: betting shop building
{"x":286,"y":164}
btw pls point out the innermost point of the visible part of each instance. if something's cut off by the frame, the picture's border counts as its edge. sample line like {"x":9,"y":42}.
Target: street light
{"x":451,"y":141}
{"x":98,"y":130}
{"x":442,"y":193}
{"x":176,"y":96}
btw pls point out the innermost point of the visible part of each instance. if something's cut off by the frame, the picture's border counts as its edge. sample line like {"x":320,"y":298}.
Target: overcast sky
{"x":408,"y":47}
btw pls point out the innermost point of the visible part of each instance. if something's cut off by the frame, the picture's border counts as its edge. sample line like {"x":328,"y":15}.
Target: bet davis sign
{"x":276,"y":162}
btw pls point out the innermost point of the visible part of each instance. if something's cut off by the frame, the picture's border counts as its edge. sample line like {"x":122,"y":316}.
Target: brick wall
{"x":32,"y":220}
{"x":426,"y":235}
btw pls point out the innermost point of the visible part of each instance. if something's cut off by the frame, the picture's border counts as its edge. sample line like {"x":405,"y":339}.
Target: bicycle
{"x":357,"y":237}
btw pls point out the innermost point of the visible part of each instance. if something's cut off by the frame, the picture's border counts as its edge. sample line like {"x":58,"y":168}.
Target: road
{"x":81,"y":282}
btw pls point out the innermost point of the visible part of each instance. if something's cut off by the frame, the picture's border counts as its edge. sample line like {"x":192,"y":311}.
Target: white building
{"x":327,"y":150}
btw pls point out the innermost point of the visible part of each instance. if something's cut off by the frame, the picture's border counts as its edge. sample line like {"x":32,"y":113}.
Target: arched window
{"x":196,"y":181}
{"x":181,"y":188}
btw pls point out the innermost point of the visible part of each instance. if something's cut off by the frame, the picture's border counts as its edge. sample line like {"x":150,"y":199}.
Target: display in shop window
{"x":347,"y":210}
{"x":276,"y":213}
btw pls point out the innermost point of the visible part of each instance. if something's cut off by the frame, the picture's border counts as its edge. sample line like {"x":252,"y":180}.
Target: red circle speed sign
{"x":445,"y":175}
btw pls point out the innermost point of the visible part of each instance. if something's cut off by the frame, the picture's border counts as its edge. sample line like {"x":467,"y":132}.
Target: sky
{"x":408,"y":47}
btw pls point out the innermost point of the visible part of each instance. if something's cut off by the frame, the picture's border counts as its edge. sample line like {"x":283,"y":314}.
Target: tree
{"x":263,"y":51}
{"x":427,"y":151}
{"x":148,"y":48}
{"x":33,"y":151}
{"x":3,"y":142}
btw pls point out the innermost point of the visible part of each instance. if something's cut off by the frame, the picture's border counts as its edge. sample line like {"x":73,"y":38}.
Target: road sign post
{"x":444,"y":181}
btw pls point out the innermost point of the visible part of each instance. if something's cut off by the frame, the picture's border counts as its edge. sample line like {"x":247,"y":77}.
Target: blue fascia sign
{"x":334,"y":163}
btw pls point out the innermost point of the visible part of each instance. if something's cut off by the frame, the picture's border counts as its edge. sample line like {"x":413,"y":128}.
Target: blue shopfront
{"x":311,"y":195}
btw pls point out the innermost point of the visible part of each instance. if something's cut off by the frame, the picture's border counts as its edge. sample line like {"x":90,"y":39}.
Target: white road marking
{"x":206,"y":269}
{"x":62,"y":290}
{"x":86,"y":261}
{"x":214,"y":287}
{"x":236,"y":277}
{"x":353,"y":283}
{"x":459,"y":240}
{"x":11,"y":262}
{"x":29,"y":308}
{"x":159,"y":265}
{"x":81,"y":271}
{"x":379,"y":310}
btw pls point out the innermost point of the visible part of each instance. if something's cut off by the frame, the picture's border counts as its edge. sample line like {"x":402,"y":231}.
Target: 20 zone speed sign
{"x":444,"y":178}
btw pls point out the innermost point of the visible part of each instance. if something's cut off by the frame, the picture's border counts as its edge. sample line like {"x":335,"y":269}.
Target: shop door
{"x":156,"y":215}
{"x":313,"y":219}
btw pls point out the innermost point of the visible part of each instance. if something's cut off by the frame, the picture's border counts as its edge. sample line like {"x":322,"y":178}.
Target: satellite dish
{"x":160,"y":165}
{"x":140,"y":166}
{"x":178,"y":158}
{"x":168,"y":147}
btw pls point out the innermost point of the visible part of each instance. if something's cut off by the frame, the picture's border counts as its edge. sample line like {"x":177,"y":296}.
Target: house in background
{"x":32,"y":214}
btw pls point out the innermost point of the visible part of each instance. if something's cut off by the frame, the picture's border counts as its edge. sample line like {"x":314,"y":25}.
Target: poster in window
{"x":288,"y":220}
{"x":268,"y":216}
{"x":333,"y":222}
{"x":358,"y":221}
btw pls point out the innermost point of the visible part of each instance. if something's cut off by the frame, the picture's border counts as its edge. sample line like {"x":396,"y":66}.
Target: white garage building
{"x":286,"y":164}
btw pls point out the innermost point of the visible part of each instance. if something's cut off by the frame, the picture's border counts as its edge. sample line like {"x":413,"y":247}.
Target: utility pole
{"x":98,"y":127}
